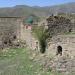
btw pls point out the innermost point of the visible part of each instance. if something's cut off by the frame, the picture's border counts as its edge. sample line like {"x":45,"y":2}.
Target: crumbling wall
{"x":59,"y":24}
{"x":67,"y":42}
{"x":9,"y":30}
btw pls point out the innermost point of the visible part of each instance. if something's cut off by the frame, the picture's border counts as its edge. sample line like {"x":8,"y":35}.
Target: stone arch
{"x":59,"y":50}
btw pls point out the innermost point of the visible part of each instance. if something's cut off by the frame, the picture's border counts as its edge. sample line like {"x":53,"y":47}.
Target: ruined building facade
{"x":13,"y":31}
{"x":62,"y":41}
{"x":9,"y":30}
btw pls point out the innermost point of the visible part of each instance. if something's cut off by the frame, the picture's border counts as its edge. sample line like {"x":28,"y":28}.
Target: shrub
{"x":42,"y":36}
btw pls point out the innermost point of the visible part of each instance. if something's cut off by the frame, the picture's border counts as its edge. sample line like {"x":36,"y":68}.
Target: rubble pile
{"x":59,"y":24}
{"x":61,"y":64}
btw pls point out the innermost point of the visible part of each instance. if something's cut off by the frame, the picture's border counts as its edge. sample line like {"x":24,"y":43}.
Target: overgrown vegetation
{"x":17,"y":62}
{"x":42,"y":35}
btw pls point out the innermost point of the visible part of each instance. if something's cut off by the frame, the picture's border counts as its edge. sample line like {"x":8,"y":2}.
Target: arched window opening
{"x":59,"y":50}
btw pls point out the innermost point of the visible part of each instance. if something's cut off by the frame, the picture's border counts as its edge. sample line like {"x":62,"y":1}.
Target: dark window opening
{"x":36,"y":43}
{"x":70,"y":30}
{"x":59,"y":50}
{"x":5,"y":42}
{"x":14,"y":37}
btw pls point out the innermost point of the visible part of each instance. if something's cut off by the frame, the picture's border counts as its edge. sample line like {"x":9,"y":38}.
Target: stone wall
{"x":9,"y":29}
{"x":67,"y":42}
{"x":27,"y":36}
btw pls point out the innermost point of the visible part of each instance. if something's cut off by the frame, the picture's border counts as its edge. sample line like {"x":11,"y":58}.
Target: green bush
{"x":42,"y":36}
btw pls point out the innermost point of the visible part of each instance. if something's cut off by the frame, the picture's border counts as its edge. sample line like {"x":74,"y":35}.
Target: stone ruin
{"x":9,"y":30}
{"x":60,"y":29}
{"x":66,"y":42}
{"x":61,"y":46}
{"x":59,"y":25}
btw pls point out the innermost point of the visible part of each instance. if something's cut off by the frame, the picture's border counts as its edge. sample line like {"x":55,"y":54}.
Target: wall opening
{"x":70,"y":30}
{"x":5,"y":42}
{"x":14,"y":37}
{"x":59,"y":50}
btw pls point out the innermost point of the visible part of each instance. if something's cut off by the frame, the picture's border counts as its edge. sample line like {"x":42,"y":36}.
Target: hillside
{"x":23,"y":10}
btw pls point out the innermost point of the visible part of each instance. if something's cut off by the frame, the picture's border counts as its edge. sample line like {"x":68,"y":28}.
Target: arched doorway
{"x":59,"y":50}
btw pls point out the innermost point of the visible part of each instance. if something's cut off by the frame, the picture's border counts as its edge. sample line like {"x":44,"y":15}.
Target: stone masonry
{"x":9,"y":29}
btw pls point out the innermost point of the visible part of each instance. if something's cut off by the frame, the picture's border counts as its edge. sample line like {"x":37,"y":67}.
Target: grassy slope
{"x":17,"y":62}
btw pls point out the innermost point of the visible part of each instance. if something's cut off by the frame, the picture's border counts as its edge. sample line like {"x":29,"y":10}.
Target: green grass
{"x":17,"y":62}
{"x":69,"y":33}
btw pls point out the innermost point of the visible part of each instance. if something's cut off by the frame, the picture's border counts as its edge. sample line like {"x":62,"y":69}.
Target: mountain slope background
{"x":23,"y":10}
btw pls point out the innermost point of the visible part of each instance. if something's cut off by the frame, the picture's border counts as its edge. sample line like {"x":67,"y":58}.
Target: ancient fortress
{"x":12,"y":28}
